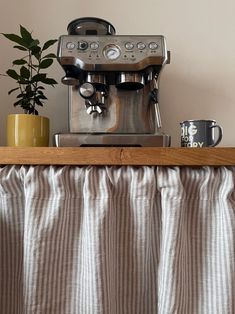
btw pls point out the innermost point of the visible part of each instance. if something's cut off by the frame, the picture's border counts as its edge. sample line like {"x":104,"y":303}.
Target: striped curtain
{"x":117,"y":240}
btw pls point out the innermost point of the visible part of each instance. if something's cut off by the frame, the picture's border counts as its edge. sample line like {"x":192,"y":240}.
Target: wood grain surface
{"x":219,"y":156}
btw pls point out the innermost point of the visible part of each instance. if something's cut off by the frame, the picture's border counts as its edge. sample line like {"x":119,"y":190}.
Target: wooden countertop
{"x":219,"y":156}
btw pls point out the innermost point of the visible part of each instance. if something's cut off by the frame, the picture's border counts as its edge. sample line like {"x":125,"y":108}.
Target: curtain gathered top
{"x":117,"y":240}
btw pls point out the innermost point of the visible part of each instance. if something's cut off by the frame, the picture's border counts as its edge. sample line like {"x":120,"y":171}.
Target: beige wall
{"x":199,"y":82}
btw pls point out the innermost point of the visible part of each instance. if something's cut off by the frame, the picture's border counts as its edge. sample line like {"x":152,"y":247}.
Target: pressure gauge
{"x":112,"y":52}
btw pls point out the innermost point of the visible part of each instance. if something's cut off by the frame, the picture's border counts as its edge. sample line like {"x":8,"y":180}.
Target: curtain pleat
{"x":117,"y":240}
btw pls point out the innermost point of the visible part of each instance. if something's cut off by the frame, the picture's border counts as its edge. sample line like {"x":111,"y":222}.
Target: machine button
{"x":82,"y":45}
{"x":94,"y":45}
{"x":129,"y":46}
{"x":153,"y":45}
{"x":141,"y":46}
{"x":70,"y":45}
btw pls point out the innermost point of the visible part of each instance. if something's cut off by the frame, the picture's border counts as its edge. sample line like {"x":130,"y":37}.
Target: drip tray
{"x":111,"y":140}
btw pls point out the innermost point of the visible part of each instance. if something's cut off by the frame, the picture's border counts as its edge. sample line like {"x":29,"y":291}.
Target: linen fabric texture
{"x":117,"y":240}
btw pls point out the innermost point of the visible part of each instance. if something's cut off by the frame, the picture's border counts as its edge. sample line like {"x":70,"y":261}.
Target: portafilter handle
{"x":94,"y":98}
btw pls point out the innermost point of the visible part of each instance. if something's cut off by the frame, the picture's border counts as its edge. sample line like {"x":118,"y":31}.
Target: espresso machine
{"x":113,"y":86}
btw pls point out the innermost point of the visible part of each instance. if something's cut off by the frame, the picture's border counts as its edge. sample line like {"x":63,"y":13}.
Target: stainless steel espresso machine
{"x":113,"y":86}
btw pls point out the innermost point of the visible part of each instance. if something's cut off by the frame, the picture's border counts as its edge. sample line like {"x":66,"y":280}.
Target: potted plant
{"x":28,"y":72}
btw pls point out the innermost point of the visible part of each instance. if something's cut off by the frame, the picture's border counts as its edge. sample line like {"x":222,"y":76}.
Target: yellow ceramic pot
{"x":27,"y":130}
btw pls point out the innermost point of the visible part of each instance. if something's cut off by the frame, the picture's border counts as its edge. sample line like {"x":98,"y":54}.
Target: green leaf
{"x":19,"y":62}
{"x":39,"y":92}
{"x":41,"y":96}
{"x":15,"y":38}
{"x":24,"y":72}
{"x":49,"y":81}
{"x":20,"y":48}
{"x":20,"y":96}
{"x":38,"y":77}
{"x":12,"y":74}
{"x":28,"y":89}
{"x":50,"y":55}
{"x":12,"y":90}
{"x":22,"y":81}
{"x":38,"y":102}
{"x":34,"y":44}
{"x":49,"y":43}
{"x":45,"y":63}
{"x":17,"y":103}
{"x":26,"y":35}
{"x":36,"y":52}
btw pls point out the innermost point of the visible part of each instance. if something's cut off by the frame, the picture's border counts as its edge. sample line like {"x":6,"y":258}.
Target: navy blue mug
{"x":200,"y":133}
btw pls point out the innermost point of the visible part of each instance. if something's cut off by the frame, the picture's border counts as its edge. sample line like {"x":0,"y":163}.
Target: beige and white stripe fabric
{"x":117,"y":240}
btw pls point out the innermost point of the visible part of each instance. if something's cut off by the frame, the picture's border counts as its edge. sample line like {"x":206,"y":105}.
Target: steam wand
{"x":154,"y":98}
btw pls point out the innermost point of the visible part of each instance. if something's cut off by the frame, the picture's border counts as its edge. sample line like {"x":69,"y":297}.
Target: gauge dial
{"x":112,"y":52}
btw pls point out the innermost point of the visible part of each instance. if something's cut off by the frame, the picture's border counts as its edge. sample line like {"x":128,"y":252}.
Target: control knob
{"x":82,"y":45}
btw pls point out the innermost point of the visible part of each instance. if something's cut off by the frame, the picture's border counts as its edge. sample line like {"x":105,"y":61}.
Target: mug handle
{"x":219,"y":136}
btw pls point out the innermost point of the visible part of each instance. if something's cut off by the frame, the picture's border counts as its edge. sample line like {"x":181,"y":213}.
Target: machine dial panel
{"x":112,"y":53}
